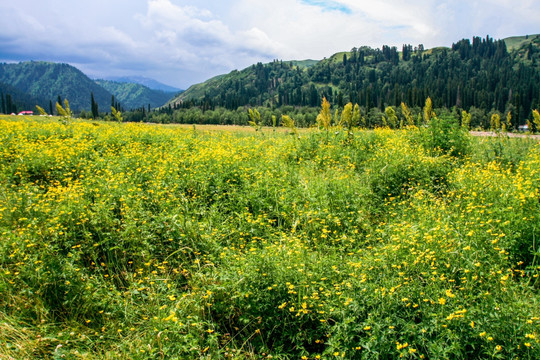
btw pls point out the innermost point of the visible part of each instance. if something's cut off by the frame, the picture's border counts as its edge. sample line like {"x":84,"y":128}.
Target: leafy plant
{"x":407,"y":114}
{"x":41,"y":110}
{"x":255,"y":121}
{"x":64,"y":112}
{"x":288,"y":122}
{"x":117,"y":114}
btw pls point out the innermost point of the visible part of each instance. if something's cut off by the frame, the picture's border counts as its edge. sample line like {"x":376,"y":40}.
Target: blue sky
{"x":329,"y":5}
{"x":182,"y":42}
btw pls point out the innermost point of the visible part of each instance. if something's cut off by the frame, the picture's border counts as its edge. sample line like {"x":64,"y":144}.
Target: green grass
{"x":140,"y":242}
{"x":517,"y":42}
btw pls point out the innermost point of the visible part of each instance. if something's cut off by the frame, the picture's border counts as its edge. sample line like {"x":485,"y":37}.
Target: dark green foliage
{"x":44,"y":81}
{"x":484,"y":74}
{"x":18,"y":99}
{"x":36,"y":83}
{"x":94,"y":106}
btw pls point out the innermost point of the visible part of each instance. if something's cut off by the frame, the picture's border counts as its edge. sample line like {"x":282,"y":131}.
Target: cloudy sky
{"x":182,"y":42}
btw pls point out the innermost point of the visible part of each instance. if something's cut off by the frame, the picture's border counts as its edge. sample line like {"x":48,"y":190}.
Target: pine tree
{"x":3,"y":105}
{"x":10,"y":107}
{"x":94,"y":106}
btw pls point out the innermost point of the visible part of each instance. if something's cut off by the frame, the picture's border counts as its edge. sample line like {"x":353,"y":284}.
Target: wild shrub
{"x":444,"y":135}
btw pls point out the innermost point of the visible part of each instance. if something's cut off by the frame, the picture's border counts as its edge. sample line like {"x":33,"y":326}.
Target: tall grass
{"x":143,"y":242}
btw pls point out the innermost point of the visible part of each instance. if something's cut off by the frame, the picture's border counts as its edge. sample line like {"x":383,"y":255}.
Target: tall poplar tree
{"x":10,"y":107}
{"x":94,"y":106}
{"x":3,"y":108}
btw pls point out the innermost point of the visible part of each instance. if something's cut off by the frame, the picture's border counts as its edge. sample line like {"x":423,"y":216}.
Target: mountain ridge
{"x":141,"y":80}
{"x":31,"y":83}
{"x":132,"y":95}
{"x":48,"y":80}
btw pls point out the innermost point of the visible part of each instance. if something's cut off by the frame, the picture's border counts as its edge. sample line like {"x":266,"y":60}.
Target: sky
{"x":184,"y":42}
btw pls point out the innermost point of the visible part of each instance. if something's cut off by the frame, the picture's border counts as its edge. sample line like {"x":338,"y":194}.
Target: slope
{"x":132,"y":95}
{"x":483,"y":73}
{"x":149,"y":83}
{"x":46,"y":80}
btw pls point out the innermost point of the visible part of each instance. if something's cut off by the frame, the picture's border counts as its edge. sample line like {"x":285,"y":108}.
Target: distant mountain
{"x":149,"y":83}
{"x":484,"y":73}
{"x":132,"y":96}
{"x":39,"y":83}
{"x":46,"y":81}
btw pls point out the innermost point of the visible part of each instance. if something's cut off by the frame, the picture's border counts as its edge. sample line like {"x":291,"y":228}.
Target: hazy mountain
{"x":149,"y":83}
{"x":131,"y":95}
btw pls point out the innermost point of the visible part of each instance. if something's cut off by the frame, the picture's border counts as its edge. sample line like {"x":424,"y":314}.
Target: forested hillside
{"x":485,"y":74}
{"x":13,"y":100}
{"x":46,"y":81}
{"x":132,"y":95}
{"x":27,"y":84}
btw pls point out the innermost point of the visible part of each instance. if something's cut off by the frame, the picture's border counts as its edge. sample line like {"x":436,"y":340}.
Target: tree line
{"x":481,"y":74}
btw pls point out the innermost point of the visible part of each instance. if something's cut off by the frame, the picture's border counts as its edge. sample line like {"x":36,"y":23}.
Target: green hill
{"x":46,"y":80}
{"x":133,"y":96}
{"x":517,"y":42}
{"x":484,"y":73}
{"x":149,"y":83}
{"x":39,"y":83}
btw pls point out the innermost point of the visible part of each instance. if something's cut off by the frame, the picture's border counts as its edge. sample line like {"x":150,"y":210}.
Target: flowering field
{"x":145,"y":242}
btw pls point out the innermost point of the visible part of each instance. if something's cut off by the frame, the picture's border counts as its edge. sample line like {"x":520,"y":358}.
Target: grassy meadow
{"x":134,"y":241}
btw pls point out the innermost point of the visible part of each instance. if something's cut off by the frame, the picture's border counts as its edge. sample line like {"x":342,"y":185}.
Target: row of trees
{"x":391,"y":116}
{"x":7,"y":106}
{"x":347,"y":116}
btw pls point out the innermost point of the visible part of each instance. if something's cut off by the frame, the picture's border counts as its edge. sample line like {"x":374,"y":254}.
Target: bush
{"x":444,"y":135}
